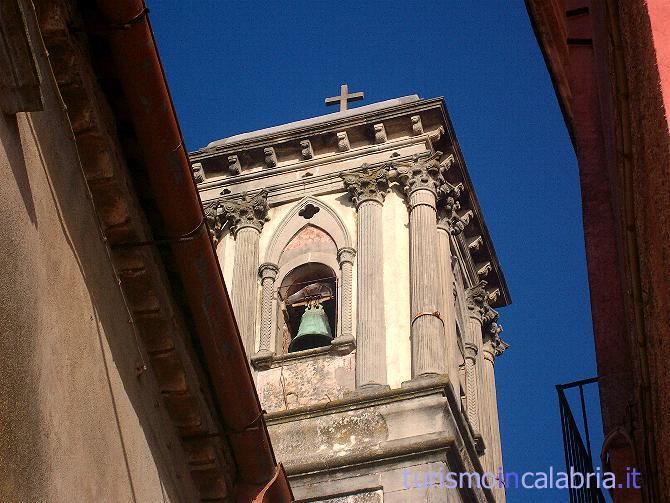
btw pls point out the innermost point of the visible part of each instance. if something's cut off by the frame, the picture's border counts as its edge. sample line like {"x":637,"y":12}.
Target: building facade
{"x":610,"y":65}
{"x":365,"y":285}
{"x":103,"y":393}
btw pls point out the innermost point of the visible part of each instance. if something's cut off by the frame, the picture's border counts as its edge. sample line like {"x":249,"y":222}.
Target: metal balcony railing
{"x":577,"y":455}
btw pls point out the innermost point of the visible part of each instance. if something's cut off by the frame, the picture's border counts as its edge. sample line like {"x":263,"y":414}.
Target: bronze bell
{"x":314,"y":330}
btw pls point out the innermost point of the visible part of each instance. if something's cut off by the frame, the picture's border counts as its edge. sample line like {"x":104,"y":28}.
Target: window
{"x":308,"y":300}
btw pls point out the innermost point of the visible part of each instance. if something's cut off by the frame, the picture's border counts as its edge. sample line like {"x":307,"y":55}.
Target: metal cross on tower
{"x":344,"y":98}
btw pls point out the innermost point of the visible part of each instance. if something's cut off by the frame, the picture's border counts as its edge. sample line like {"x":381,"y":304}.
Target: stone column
{"x":367,"y":189}
{"x":476,"y":302}
{"x":448,"y":225}
{"x":420,"y":181}
{"x":493,"y":346}
{"x":246,"y":216}
{"x":345,"y":257}
{"x":447,"y":302}
{"x":268,"y":273}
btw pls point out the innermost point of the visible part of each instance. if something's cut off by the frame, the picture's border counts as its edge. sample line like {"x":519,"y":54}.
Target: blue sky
{"x":236,"y":67}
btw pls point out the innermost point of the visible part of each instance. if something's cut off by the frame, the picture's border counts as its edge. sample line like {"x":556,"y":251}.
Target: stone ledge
{"x":400,"y":448}
{"x":371,"y":430}
{"x":364,"y":398}
{"x":265,"y":360}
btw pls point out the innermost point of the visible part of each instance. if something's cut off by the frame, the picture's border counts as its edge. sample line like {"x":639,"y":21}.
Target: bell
{"x":314,"y":330}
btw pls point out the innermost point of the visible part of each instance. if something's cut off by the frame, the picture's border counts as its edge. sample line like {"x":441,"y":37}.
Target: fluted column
{"x":246,"y":216}
{"x":447,"y":302}
{"x":493,"y":346}
{"x":268,"y":273}
{"x":476,"y":302}
{"x":420,"y":181}
{"x":345,"y":257}
{"x":447,"y":225}
{"x":367,"y":189}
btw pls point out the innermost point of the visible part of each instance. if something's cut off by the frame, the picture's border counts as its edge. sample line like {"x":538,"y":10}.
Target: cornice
{"x":486,"y":249}
{"x":388,"y":146}
{"x":324,"y":127}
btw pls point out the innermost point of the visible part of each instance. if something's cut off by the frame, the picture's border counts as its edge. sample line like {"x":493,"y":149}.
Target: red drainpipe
{"x":141,"y":74}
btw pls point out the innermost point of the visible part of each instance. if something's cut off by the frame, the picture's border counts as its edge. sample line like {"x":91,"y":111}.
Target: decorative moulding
{"x":340,"y":346}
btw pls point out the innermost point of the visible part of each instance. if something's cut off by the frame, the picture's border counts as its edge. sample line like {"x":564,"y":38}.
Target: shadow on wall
{"x":72,"y":406}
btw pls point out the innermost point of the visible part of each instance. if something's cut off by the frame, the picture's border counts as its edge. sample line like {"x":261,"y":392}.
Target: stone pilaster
{"x":421,"y":181}
{"x":368,"y":188}
{"x":246,"y":216}
{"x":345,"y":257}
{"x":268,"y":274}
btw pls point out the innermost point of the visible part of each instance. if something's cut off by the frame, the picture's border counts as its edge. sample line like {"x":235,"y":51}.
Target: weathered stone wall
{"x":398,"y":442}
{"x":318,"y":379}
{"x":76,"y":421}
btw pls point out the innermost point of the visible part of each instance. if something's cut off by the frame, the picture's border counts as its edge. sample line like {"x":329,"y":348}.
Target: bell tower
{"x":365,"y":286}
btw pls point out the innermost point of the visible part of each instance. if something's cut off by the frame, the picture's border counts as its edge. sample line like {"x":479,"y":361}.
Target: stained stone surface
{"x":319,"y":379}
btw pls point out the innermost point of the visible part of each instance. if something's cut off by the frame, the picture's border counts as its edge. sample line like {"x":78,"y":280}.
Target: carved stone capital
{"x":494,"y":346}
{"x":246,"y":211}
{"x":367,"y":184}
{"x":268,"y":270}
{"x":215,"y":220}
{"x":489,"y":315}
{"x":448,"y":205}
{"x":346,"y":255}
{"x":423,"y":173}
{"x":476,"y":299}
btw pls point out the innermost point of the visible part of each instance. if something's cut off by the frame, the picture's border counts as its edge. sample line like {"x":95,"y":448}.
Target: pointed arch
{"x":302,"y":214}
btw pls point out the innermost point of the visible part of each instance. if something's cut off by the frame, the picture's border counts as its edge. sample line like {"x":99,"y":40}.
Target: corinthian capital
{"x":494,"y":345}
{"x":476,"y":299}
{"x":215,"y":220}
{"x":448,"y":206}
{"x":245,"y":211}
{"x":422,"y":173}
{"x":366,"y":184}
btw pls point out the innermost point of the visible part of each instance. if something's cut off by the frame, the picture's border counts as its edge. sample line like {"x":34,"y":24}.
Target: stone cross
{"x":344,"y":98}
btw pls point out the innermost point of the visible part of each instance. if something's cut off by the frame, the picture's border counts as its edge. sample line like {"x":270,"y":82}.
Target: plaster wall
{"x":76,"y":421}
{"x":396,"y":290}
